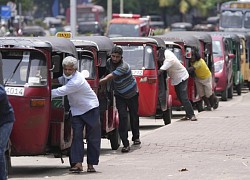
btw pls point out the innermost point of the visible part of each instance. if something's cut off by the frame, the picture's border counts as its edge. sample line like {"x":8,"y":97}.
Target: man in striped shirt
{"x":126,"y":93}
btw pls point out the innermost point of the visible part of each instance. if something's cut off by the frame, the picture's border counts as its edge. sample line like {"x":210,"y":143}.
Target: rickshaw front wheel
{"x":114,"y":138}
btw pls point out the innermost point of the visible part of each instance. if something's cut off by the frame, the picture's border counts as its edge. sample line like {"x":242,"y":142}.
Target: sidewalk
{"x":216,"y":147}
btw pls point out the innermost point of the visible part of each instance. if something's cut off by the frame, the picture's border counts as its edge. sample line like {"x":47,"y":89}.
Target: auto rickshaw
{"x":93,"y":52}
{"x":245,"y":58}
{"x":234,"y":44}
{"x":42,"y":125}
{"x":186,"y":43}
{"x":223,"y":66}
{"x":144,"y":54}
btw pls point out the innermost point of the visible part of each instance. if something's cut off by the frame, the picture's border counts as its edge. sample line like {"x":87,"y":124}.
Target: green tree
{"x":143,"y":7}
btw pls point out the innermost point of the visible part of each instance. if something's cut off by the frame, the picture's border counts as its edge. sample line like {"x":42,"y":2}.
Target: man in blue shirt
{"x":7,"y":119}
{"x":126,"y":93}
{"x":84,"y":106}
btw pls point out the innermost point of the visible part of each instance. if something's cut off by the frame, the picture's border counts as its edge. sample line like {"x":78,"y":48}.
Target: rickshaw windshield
{"x":230,"y":19}
{"x":129,"y":30}
{"x":24,"y":68}
{"x":86,"y":65}
{"x":247,"y":20}
{"x":139,"y":57}
{"x":217,"y":51}
{"x":177,"y":52}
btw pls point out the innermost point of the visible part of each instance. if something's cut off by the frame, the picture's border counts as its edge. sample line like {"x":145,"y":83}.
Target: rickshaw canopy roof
{"x":56,"y":44}
{"x":102,"y":43}
{"x":201,"y":35}
{"x":232,"y":35}
{"x":155,"y":40}
{"x":179,"y":36}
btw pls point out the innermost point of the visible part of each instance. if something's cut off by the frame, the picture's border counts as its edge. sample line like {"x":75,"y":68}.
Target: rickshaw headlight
{"x":218,"y":66}
{"x":37,"y":102}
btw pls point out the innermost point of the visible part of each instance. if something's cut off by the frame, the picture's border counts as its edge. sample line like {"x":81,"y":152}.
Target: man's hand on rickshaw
{"x":160,"y":71}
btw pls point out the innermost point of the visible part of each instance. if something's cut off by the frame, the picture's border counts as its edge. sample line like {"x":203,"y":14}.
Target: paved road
{"x":216,"y":147}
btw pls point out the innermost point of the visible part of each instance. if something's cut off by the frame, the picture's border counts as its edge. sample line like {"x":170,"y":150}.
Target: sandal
{"x":185,"y":118}
{"x":125,"y":149}
{"x":76,"y":168}
{"x":91,"y":169}
{"x":137,"y":142}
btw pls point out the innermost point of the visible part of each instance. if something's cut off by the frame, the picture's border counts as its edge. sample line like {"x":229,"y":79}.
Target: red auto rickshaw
{"x":181,"y":46}
{"x":143,"y":55}
{"x":93,"y":52}
{"x":42,"y":126}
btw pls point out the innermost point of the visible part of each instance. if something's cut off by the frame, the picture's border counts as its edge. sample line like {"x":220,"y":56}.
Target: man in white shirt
{"x":84,"y":106}
{"x":179,"y":79}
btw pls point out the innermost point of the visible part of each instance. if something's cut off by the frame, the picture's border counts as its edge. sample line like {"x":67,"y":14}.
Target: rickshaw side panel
{"x":31,"y":128}
{"x":148,"y":95}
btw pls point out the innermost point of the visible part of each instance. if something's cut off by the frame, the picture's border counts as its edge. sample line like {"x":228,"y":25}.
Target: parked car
{"x":90,"y":28}
{"x":33,"y":31}
{"x":181,"y":26}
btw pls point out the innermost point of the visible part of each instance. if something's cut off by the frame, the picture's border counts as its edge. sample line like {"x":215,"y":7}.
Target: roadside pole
{"x":73,"y":17}
{"x":109,"y":10}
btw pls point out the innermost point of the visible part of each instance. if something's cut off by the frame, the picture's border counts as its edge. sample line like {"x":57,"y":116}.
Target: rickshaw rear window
{"x":27,"y":68}
{"x":86,"y":64}
{"x":217,"y":49}
{"x":177,"y":52}
{"x":139,"y":57}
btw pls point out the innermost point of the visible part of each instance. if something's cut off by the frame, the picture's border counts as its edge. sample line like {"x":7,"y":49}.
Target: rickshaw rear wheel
{"x":230,"y":92}
{"x":238,"y":89}
{"x":114,"y":138}
{"x":224,"y":95}
{"x":167,"y":116}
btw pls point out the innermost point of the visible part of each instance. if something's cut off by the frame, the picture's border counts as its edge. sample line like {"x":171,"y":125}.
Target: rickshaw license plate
{"x":137,"y":72}
{"x":15,"y":91}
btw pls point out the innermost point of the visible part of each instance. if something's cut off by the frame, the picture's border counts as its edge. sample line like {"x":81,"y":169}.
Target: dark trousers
{"x":5,"y":131}
{"x":123,"y":105}
{"x":182,"y":94}
{"x":93,"y":135}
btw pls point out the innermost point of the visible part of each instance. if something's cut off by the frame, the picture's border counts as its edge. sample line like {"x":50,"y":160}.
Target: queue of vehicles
{"x":29,"y":64}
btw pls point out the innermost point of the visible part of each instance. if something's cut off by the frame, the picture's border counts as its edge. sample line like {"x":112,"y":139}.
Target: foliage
{"x":132,"y":6}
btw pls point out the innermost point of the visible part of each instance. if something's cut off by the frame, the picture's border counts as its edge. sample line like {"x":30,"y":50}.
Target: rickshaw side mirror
{"x":188,"y":52}
{"x":231,"y":56}
{"x":55,"y":63}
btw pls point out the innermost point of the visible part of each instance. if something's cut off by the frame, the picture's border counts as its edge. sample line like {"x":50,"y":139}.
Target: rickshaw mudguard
{"x":31,"y":128}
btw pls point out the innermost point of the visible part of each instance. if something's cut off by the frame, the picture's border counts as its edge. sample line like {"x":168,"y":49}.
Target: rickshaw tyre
{"x":230,"y":92}
{"x":115,"y":140}
{"x":248,"y":85}
{"x":224,"y":95}
{"x":238,"y":89}
{"x":167,"y":116}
